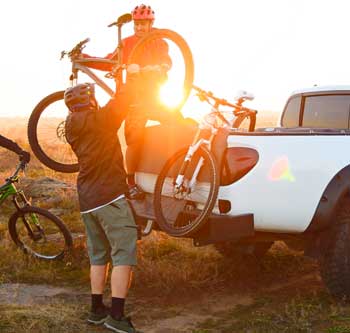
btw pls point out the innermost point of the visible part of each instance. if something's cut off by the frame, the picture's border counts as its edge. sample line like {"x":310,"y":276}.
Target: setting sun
{"x":171,"y":94}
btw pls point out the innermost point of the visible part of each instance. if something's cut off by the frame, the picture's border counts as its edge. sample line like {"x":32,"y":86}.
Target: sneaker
{"x":135,"y":193}
{"x":123,"y":325}
{"x":98,"y":317}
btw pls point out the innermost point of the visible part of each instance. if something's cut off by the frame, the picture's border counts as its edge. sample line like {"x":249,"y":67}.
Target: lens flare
{"x":280,"y":170}
{"x":170,"y":94}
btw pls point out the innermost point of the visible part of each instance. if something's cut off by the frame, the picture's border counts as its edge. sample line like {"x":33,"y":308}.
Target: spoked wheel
{"x":183,"y":211}
{"x":46,"y":134}
{"x":40,"y":233}
{"x":181,"y":44}
{"x":245,"y":121}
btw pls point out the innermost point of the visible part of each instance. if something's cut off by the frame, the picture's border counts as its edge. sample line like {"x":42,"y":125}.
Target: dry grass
{"x":57,"y":317}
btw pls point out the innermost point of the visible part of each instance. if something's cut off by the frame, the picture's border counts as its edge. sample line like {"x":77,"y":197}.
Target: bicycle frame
{"x":7,"y":190}
{"x":197,"y":141}
{"x":78,"y":65}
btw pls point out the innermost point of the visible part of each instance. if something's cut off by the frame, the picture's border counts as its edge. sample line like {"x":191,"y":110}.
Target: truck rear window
{"x":291,"y":113}
{"x":326,"y":111}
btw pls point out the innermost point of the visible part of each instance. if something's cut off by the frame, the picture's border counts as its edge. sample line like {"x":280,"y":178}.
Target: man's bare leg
{"x":132,"y":156}
{"x":98,"y":277}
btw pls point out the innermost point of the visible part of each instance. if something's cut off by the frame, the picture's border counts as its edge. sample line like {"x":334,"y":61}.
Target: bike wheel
{"x":182,"y":46}
{"x":240,"y":122}
{"x":38,"y":232}
{"x":183,"y":212}
{"x":46,"y":134}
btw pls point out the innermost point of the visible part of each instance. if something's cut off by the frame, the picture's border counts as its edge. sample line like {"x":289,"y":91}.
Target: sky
{"x":269,"y":48}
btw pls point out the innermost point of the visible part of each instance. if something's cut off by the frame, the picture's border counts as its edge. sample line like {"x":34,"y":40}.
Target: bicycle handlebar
{"x":206,"y":96}
{"x":76,"y":50}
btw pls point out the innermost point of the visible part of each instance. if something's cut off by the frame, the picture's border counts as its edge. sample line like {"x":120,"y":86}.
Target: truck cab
{"x":318,"y":107}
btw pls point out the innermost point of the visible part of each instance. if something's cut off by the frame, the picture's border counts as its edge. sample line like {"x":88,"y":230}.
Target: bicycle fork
{"x":33,"y":234}
{"x":179,"y":181}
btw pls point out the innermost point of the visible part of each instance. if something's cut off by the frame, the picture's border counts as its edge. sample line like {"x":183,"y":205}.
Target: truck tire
{"x":335,"y":263}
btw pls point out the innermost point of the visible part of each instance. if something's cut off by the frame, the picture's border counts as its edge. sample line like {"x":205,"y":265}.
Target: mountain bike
{"x":46,"y":125}
{"x":34,"y":230}
{"x":186,"y":189}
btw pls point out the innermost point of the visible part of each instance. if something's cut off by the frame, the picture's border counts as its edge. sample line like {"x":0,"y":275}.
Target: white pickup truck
{"x":290,"y":182}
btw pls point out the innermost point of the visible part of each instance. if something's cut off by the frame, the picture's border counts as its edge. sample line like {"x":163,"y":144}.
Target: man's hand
{"x":24,"y":156}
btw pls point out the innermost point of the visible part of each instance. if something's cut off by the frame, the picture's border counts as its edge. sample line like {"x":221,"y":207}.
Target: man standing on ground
{"x":111,"y":230}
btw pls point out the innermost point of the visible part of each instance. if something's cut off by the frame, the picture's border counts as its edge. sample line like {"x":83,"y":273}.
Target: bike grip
{"x":86,"y":40}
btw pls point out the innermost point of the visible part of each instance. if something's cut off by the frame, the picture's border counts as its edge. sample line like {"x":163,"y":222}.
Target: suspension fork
{"x":197,"y":142}
{"x":25,"y":203}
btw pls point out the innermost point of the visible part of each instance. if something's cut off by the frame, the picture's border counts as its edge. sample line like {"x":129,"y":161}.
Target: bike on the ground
{"x":34,"y":230}
{"x":46,"y":125}
{"x":186,"y":189}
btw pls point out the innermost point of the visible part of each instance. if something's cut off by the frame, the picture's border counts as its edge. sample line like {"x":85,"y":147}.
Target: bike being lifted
{"x":46,"y":125}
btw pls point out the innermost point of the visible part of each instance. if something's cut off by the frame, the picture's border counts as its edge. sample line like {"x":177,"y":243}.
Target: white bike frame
{"x":78,"y":65}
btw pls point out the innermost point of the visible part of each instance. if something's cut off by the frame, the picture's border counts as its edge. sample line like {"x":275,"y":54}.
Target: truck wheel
{"x":232,"y":249}
{"x":335,"y":263}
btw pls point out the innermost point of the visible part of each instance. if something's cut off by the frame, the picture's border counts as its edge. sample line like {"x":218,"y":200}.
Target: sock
{"x":131,"y":179}
{"x":96,"y":302}
{"x":117,"y":310}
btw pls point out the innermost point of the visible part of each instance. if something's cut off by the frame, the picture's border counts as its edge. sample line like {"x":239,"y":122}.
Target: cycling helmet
{"x":143,"y":12}
{"x":80,"y":97}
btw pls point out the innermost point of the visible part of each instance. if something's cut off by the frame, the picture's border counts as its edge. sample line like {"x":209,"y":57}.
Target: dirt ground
{"x":223,"y":309}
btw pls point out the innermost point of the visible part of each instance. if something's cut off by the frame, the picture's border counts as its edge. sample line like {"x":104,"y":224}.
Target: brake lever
{"x":63,"y":53}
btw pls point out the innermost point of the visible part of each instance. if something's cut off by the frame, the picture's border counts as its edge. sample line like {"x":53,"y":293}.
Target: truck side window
{"x":291,"y":113}
{"x":328,"y":111}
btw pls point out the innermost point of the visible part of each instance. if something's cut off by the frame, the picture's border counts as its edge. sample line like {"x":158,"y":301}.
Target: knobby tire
{"x":15,"y":224}
{"x":162,"y":202}
{"x":37,"y":147}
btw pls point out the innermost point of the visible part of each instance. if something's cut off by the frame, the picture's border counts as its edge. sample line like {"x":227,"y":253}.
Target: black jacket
{"x":93,"y":138}
{"x":10,"y":145}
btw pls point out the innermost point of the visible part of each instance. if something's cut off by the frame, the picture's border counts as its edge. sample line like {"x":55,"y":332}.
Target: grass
{"x":57,"y":317}
{"x":302,"y":313}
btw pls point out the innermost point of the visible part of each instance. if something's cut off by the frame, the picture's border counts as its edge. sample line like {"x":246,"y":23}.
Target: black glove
{"x":24,"y":156}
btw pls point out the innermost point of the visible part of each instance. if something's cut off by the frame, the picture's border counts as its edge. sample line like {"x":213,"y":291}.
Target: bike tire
{"x":181,"y":43}
{"x":51,"y":246}
{"x":40,"y":147}
{"x":252,"y":121}
{"x":185,"y":216}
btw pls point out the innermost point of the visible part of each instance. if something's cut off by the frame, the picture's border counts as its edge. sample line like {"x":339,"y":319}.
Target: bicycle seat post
{"x":120,"y":44}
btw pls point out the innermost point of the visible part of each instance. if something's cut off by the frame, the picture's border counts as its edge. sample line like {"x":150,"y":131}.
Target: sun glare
{"x":171,"y":94}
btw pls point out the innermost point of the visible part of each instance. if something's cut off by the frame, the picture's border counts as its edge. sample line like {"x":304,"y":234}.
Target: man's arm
{"x":99,"y":65}
{"x":114,"y":112}
{"x":10,"y":145}
{"x":164,"y":58}
{"x":13,"y":146}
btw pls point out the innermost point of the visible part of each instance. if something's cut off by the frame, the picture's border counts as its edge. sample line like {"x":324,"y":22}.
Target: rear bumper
{"x":218,"y":228}
{"x":222,"y":228}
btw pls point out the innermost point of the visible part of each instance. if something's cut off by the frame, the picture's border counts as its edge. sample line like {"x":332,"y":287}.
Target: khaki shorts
{"x":111,"y":234}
